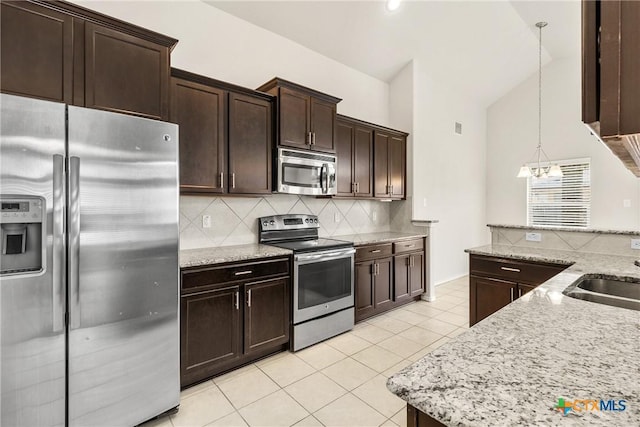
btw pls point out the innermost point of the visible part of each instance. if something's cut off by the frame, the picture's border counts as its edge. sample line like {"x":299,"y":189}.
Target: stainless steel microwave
{"x":305,"y":172}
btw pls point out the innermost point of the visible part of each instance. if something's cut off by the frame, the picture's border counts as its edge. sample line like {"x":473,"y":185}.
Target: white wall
{"x":512,"y":132}
{"x":448,"y":171}
{"x":219,"y":45}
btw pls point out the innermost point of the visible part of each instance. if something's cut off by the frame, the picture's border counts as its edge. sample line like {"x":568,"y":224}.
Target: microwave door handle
{"x":323,"y":178}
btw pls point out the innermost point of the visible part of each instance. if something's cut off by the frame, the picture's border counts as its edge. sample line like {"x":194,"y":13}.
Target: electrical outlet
{"x":336,"y":217}
{"x":635,"y":243}
{"x":534,"y":237}
{"x":374,"y":216}
{"x":424,"y":202}
{"x":206,"y":221}
{"x":626,"y":203}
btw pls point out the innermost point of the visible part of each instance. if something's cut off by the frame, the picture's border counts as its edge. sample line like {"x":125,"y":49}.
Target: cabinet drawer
{"x":518,"y":271}
{"x":225,"y":273}
{"x":373,"y":251}
{"x":408,"y":246}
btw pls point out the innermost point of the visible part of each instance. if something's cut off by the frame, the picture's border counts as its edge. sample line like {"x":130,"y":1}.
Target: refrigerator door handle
{"x":74,"y":242}
{"x":58,"y":303}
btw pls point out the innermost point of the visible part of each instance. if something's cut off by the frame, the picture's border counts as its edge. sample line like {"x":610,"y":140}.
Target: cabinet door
{"x":294,"y":118}
{"x":383,"y":289}
{"x":250,"y":139}
{"x":266,"y":314}
{"x":363,"y":161}
{"x":380,"y":166}
{"x":344,"y":154}
{"x":397,"y":148}
{"x":323,"y":125}
{"x":488,"y":296}
{"x":416,"y":274}
{"x":619,"y":68}
{"x":364,"y":289}
{"x":401,"y":287}
{"x":200,"y":112}
{"x":125,"y":74}
{"x":210,"y":332}
{"x":36,"y":52}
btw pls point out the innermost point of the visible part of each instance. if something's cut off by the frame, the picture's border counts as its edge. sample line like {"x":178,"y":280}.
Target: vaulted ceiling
{"x":482,"y":48}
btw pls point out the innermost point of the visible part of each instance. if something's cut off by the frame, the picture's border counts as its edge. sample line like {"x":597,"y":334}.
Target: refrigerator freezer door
{"x":123,"y":268}
{"x":32,"y":354}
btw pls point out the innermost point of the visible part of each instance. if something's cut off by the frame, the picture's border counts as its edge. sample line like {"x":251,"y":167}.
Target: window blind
{"x":561,"y":201}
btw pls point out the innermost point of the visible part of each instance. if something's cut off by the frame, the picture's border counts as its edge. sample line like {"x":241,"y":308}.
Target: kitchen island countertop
{"x":222,"y":254}
{"x":512,"y":367}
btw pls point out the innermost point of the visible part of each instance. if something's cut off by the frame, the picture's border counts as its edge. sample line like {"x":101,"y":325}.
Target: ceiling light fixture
{"x":539,"y":171}
{"x":392,"y":5}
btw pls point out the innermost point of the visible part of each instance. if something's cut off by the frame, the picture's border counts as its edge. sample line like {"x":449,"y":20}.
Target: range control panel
{"x":288,"y":222}
{"x":14,"y":211}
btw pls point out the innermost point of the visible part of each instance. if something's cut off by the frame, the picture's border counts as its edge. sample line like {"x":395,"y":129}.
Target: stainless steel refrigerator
{"x":89,"y":266}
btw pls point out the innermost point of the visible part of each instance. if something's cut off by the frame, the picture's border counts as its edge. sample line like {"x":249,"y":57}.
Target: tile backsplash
{"x":234,"y":220}
{"x":611,"y":243}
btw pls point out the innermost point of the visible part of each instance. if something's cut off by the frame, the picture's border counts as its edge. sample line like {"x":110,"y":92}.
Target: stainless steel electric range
{"x":323,"y":297}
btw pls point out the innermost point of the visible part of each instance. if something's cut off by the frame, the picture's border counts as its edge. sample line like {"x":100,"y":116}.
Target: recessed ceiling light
{"x":392,"y":5}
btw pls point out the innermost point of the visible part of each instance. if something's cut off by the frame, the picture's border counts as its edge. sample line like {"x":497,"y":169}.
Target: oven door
{"x":322,"y":284}
{"x":306,"y":173}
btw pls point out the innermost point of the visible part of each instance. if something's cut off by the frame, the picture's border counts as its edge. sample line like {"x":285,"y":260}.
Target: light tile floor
{"x":339,"y":382}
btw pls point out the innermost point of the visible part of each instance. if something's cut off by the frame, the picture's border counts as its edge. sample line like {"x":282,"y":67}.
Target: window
{"x":561,"y":201}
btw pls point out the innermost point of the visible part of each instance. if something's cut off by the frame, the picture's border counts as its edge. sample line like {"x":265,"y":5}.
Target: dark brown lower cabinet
{"x":266,"y":315}
{"x":374,"y":286}
{"x":210,"y":330}
{"x":388,"y":275}
{"x":495,"y":282}
{"x":489,"y":296}
{"x":417,"y":418}
{"x":232,"y":315}
{"x":409,"y":276}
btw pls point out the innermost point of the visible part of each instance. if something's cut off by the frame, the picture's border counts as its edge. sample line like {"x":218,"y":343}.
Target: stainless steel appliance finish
{"x":304,"y":172}
{"x":323,"y":277}
{"x":109,"y":278}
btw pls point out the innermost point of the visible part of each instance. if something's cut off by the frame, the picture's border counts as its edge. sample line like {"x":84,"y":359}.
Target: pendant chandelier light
{"x":539,"y":171}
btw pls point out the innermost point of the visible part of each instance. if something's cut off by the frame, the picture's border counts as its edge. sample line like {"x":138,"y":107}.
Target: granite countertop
{"x":511,"y":368}
{"x":572,"y":229}
{"x":222,"y":254}
{"x":379,"y":237}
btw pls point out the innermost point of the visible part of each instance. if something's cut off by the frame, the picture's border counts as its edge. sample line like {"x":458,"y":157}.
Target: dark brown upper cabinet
{"x":611,"y":76}
{"x":389,"y":156}
{"x":62,"y":52}
{"x":306,"y":117}
{"x":354,"y":149}
{"x":226,"y":135}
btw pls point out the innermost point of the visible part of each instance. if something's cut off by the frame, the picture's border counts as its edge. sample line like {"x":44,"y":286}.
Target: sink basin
{"x":617,"y":293}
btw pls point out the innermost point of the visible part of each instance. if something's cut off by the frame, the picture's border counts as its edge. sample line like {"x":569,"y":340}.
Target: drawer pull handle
{"x":409,"y":246}
{"x":242,"y":273}
{"x":515,"y":270}
{"x":512,"y":295}
{"x":376,"y":251}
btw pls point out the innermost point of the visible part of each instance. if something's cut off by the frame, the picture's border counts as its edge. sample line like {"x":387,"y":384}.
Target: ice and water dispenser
{"x":21,"y":228}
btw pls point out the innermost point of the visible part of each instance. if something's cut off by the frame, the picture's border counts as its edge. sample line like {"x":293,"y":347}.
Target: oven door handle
{"x":325,"y":256}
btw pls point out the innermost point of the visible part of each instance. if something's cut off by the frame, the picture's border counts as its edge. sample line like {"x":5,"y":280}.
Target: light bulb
{"x":392,"y":5}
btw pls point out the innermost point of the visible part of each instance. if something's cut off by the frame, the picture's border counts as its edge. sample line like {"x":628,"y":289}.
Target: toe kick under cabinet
{"x":495,"y":282}
{"x":388,"y":275}
{"x":232,"y":314}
